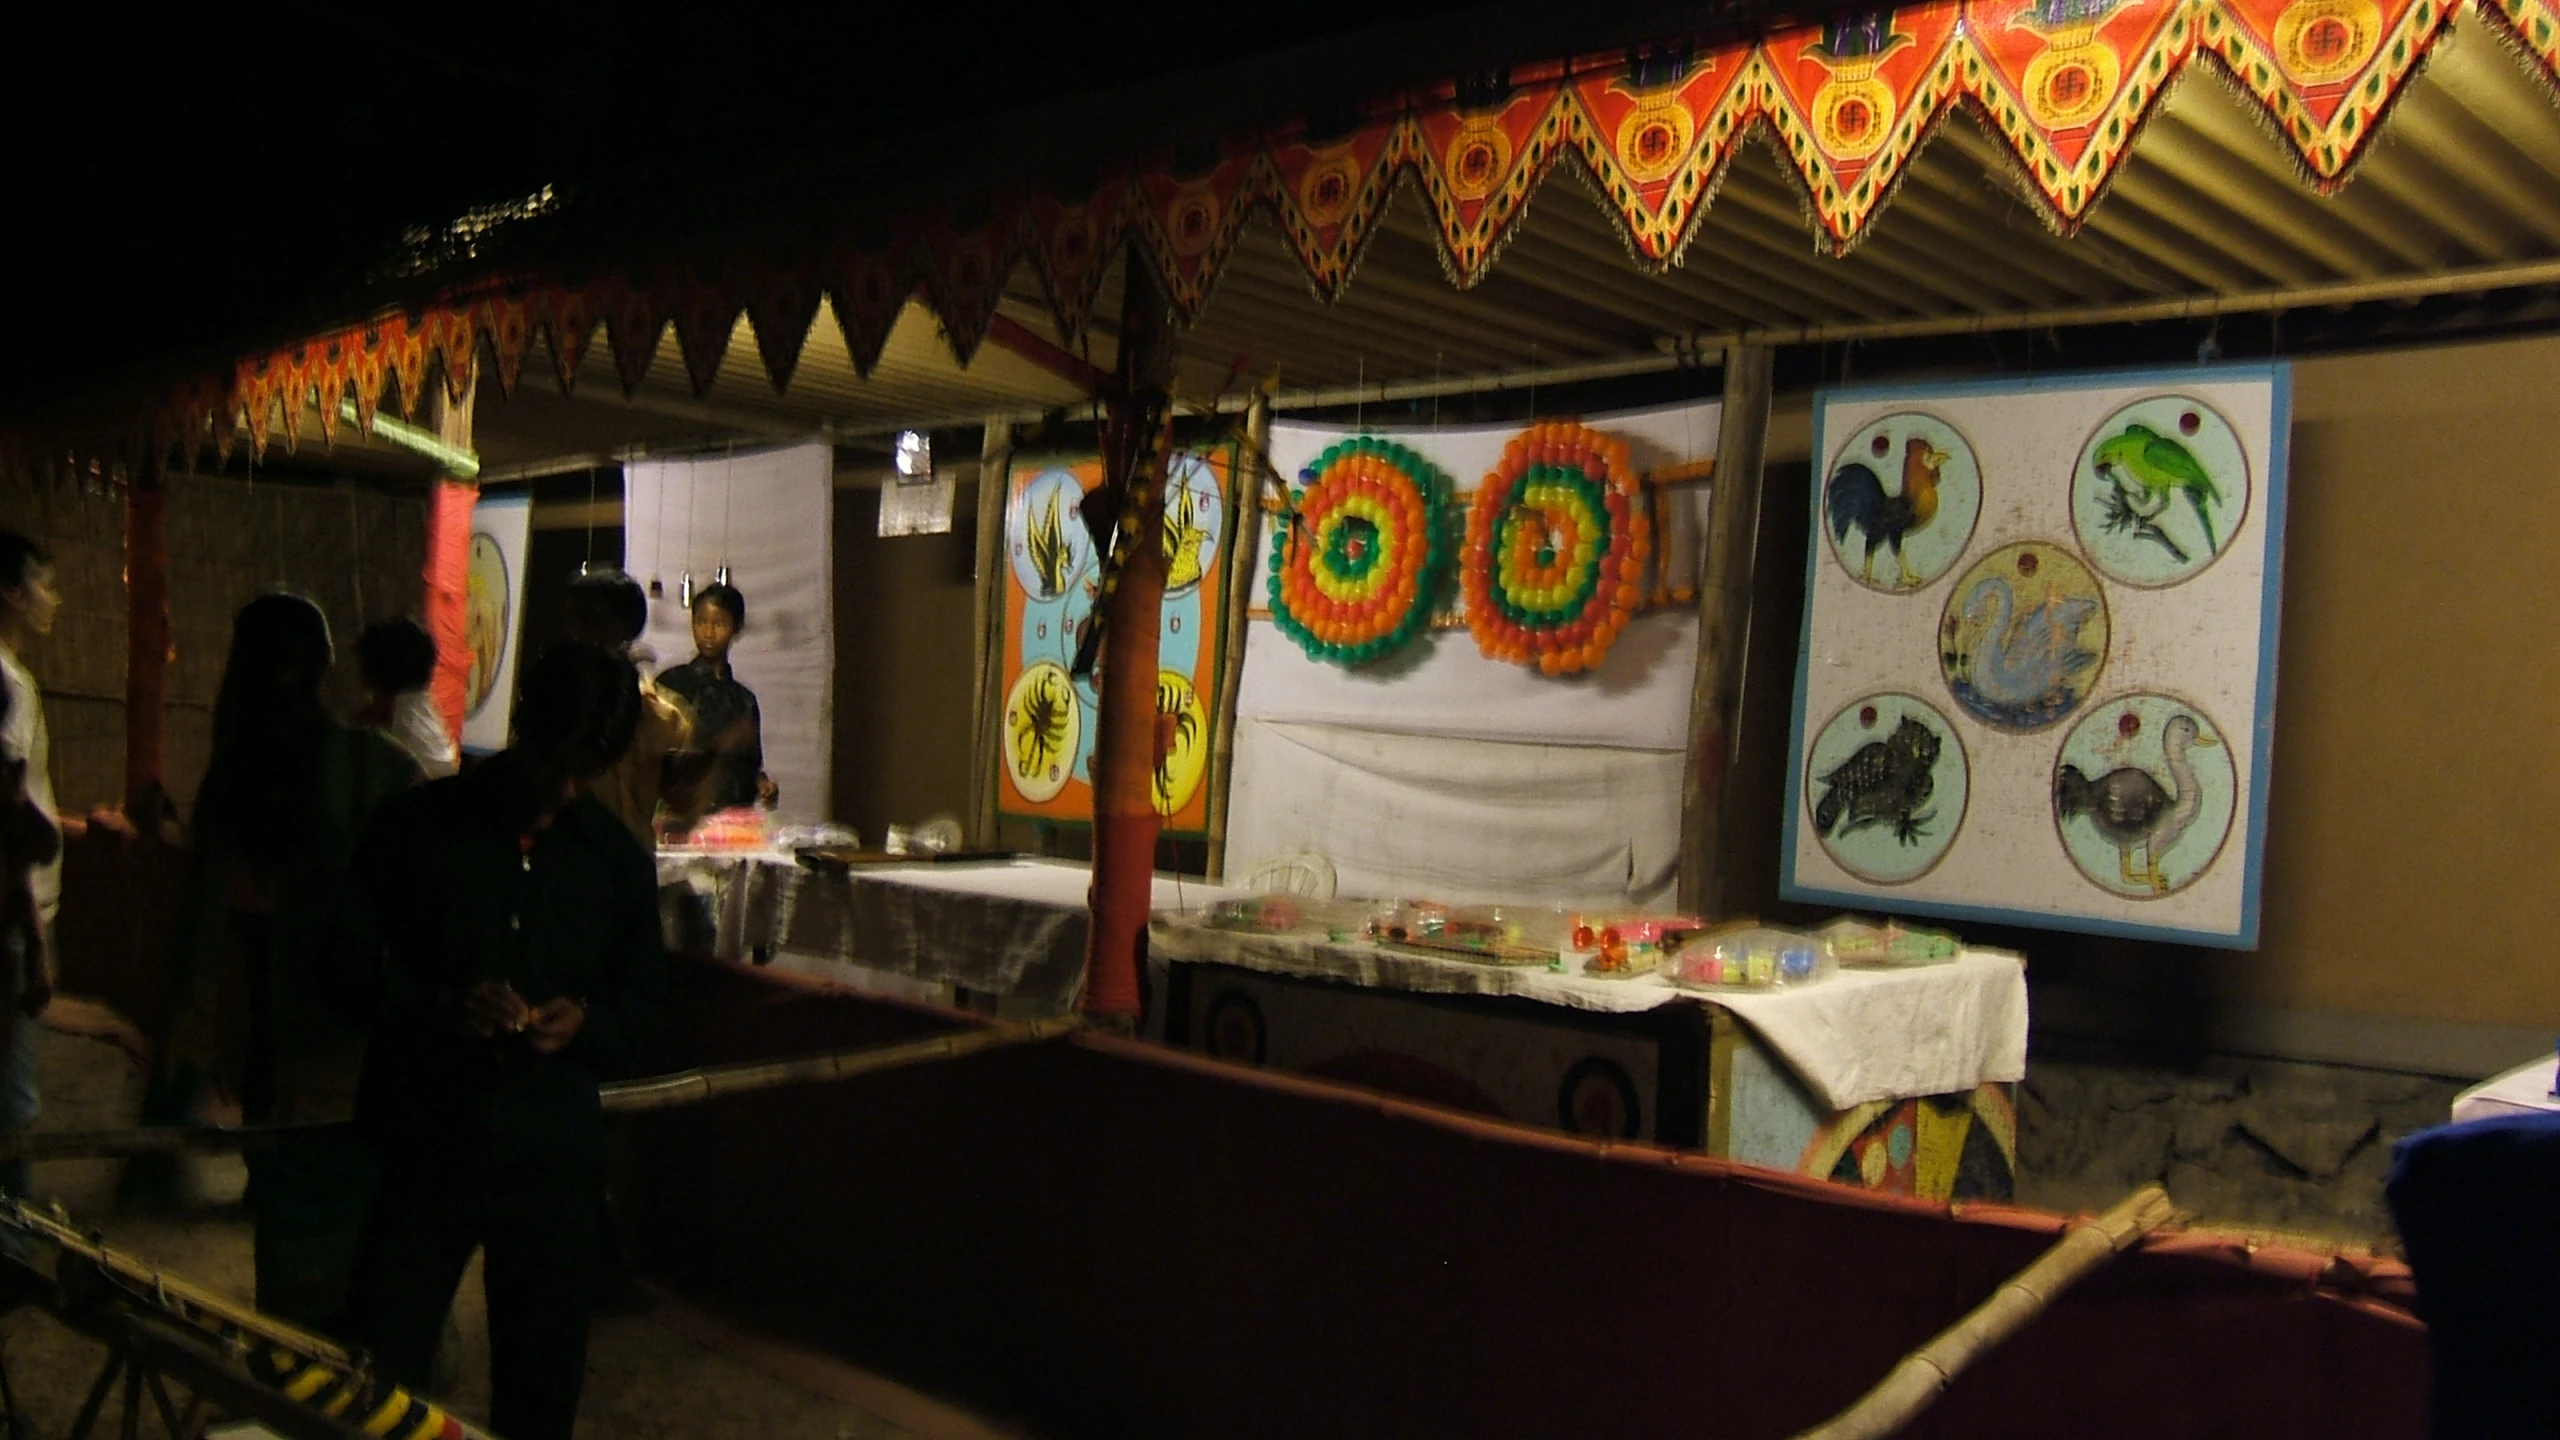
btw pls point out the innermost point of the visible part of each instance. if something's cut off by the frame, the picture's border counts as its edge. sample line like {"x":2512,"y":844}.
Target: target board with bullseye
{"x":1055,"y":578}
{"x":2037,"y":676}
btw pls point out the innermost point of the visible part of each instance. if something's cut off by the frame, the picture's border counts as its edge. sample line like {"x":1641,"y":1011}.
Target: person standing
{"x":726,"y":721}
{"x":503,"y":939}
{"x":398,"y":661}
{"x":284,"y":796}
{"x":608,"y":610}
{"x":28,"y":605}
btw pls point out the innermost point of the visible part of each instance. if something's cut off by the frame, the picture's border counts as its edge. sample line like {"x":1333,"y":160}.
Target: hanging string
{"x":728,"y":494}
{"x":1359,"y":393}
{"x":1533,"y":381}
{"x":658,"y":548}
{"x":1436,"y":357}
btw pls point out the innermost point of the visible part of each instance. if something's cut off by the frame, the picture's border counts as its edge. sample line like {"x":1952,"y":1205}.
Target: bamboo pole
{"x":1724,"y":628}
{"x":656,"y":1092}
{"x":1916,"y":1383}
{"x":986,"y":740}
{"x":1244,"y":547}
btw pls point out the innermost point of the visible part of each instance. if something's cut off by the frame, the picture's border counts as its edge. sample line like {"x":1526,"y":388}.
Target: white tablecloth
{"x":1012,"y":928}
{"x":1861,"y":1035}
{"x":2525,"y":1090}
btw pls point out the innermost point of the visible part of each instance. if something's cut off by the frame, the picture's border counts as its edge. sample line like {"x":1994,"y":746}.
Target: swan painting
{"x":2132,"y":810}
{"x":2025,"y":635}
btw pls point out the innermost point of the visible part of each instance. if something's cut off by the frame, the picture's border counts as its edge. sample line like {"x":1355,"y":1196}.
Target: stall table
{"x":2525,"y":1090}
{"x":1898,"y":1080}
{"x":1008,"y":934}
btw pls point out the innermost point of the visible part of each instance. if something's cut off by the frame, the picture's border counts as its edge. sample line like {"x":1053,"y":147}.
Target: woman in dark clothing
{"x":726,"y":721}
{"x":285,"y":794}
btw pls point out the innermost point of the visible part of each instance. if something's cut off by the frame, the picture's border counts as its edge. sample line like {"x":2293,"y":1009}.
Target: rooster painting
{"x":1856,"y":498}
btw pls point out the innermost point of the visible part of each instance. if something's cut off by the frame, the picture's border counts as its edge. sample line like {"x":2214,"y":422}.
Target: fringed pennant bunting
{"x":367,"y":367}
{"x":2068,"y":84}
{"x":288,"y":388}
{"x":508,"y":319}
{"x":635,"y":315}
{"x":1656,"y":135}
{"x":324,"y":363}
{"x":455,"y":334}
{"x":782,"y":303}
{"x":1479,"y":168}
{"x":1073,"y":243}
{"x":569,"y":316}
{"x":2534,"y":25}
{"x":408,"y":362}
{"x":868,"y":287}
{"x":1852,"y":101}
{"x":965,"y":263}
{"x":258,"y":400}
{"x":1190,"y":223}
{"x":1328,"y":196}
{"x":2325,"y":69}
{"x":706,"y":314}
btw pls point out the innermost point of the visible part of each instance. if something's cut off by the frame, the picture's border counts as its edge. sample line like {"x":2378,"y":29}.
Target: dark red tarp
{"x":1110,"y":1239}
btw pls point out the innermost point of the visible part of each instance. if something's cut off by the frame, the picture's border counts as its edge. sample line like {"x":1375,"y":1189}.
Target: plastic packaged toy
{"x":1259,"y":914}
{"x":1872,"y":945}
{"x":1637,"y":945}
{"x":1757,"y":958}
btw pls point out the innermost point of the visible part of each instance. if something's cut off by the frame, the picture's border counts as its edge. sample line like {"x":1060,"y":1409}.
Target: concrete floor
{"x":676,"y":1372}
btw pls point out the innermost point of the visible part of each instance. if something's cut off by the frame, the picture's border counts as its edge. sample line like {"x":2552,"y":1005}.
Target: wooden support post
{"x":1125,"y":823}
{"x":986,"y":702}
{"x":448,"y":567}
{"x":146,"y":666}
{"x":1724,"y":629}
{"x":1244,"y":545}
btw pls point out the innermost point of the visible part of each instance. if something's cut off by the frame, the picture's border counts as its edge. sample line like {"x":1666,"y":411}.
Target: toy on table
{"x":1636,"y":945}
{"x":740,"y":829}
{"x":1871,"y":945}
{"x":1758,"y":957}
{"x":1486,"y":934}
{"x":1260,"y":914}
{"x":1408,"y":920}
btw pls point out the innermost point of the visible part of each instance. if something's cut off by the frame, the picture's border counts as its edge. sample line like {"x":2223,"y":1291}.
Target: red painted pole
{"x":147,"y":644}
{"x":448,"y":569}
{"x":1125,"y":823}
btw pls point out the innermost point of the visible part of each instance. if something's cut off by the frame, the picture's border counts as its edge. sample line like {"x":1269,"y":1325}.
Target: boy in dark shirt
{"x":504,"y":939}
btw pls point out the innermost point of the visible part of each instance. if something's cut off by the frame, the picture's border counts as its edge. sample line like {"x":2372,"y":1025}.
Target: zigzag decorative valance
{"x":2067,"y":84}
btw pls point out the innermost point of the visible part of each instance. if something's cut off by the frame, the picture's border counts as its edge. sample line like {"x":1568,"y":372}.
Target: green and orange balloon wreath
{"x":1557,"y":540}
{"x":1358,"y":571}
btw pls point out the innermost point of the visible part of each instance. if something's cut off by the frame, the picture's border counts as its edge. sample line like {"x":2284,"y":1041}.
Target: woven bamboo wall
{"x":356,"y":552}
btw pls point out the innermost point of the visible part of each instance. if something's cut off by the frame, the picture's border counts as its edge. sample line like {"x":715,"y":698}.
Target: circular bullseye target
{"x":1557,"y":540}
{"x":1355,"y":574}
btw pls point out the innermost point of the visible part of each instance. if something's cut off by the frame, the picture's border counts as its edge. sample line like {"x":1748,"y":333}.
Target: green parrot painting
{"x":2147,"y":469}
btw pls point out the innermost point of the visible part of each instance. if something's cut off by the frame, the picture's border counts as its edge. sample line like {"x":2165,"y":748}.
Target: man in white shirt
{"x":28,"y":604}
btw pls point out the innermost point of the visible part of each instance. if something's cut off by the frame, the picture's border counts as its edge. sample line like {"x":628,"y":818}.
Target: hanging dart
{"x":720,"y":576}
{"x":684,"y":592}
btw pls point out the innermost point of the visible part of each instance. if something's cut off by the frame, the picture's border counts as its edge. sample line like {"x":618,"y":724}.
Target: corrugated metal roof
{"x":2464,"y":178}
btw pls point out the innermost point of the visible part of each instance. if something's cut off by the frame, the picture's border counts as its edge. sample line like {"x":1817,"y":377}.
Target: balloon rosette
{"x":1356,"y":574}
{"x":1556,"y":547}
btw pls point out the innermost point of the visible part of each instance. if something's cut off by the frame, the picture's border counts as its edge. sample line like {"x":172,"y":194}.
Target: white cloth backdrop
{"x":1441,"y":773}
{"x":769,"y":516}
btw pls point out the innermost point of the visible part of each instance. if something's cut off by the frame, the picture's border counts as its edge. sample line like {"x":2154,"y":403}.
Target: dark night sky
{"x":190,"y":181}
